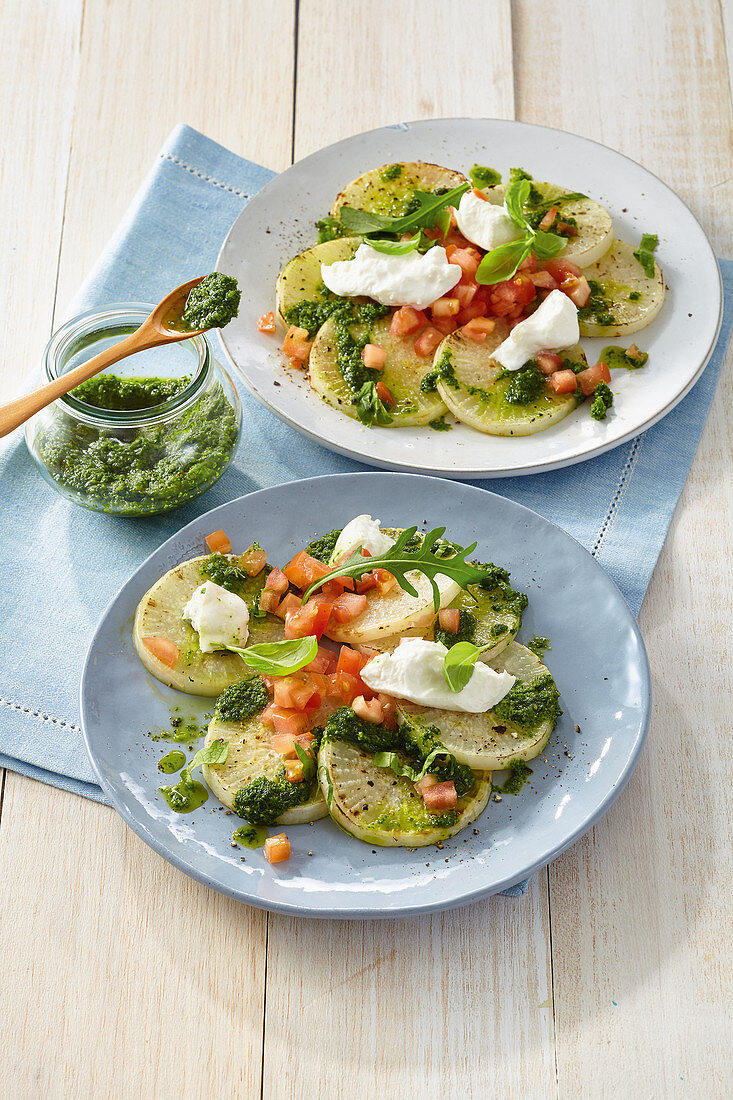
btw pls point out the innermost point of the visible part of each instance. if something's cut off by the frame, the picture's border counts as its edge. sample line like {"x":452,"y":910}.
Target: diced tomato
{"x":277,"y":848}
{"x":440,"y":797}
{"x":445,"y":307}
{"x":428,"y":780}
{"x":324,"y":661}
{"x":427,"y":342}
{"x":407,"y":320}
{"x":311,"y":618}
{"x":543,"y":280}
{"x":303,"y":570}
{"x":218,"y":542}
{"x":162,"y":648}
{"x":389,"y":719}
{"x":269,"y":601}
{"x":479,"y":194}
{"x":548,"y":362}
{"x":563,"y":381}
{"x":467,"y":259}
{"x":549,"y":217}
{"x":289,"y":603}
{"x":366,"y":584}
{"x":348,"y":606}
{"x":351,"y":661}
{"x":478,"y":328}
{"x":446,"y":325}
{"x":464,"y":294}
{"x":285,"y":720}
{"x":370,"y":712}
{"x":384,"y":394}
{"x":293,"y":691}
{"x":475,"y":309}
{"x":577,"y":289}
{"x":276,"y":581}
{"x":296,"y":344}
{"x":343,"y":686}
{"x":266,"y":322}
{"x":283,"y":744}
{"x":516,"y":292}
{"x":560,"y":269}
{"x":253,"y":562}
{"x":529,"y":265}
{"x":386,"y":581}
{"x":374,"y":356}
{"x":293,"y":771}
{"x":449,"y":618}
{"x":590,"y":378}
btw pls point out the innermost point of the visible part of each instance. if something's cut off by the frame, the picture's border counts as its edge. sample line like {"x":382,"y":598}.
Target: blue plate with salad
{"x":365,"y":695}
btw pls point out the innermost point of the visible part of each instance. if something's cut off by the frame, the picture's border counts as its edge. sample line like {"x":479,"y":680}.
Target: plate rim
{"x":359,"y":912}
{"x":399,"y":466}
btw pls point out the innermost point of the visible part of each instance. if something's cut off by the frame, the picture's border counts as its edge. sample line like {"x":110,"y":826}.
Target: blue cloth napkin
{"x":63,"y":563}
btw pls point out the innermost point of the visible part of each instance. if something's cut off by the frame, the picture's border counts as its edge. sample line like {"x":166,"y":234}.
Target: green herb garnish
{"x":645,"y":253}
{"x":430,"y":211}
{"x":179,"y":796}
{"x":370,"y":408}
{"x":279,"y":658}
{"x":459,"y":663}
{"x":502,"y":263}
{"x":399,"y":561}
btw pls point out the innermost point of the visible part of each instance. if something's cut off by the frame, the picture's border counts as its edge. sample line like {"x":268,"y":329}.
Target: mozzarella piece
{"x":414,"y":671}
{"x":552,"y":327}
{"x":219,"y":617}
{"x":365,"y":532}
{"x":485,"y":223}
{"x":415,"y":279}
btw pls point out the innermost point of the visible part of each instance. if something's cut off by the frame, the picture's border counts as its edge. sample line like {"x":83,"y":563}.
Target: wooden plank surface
{"x":121,"y":976}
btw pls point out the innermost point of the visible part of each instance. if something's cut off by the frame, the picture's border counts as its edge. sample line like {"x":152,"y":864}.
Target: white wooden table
{"x":611,"y":977}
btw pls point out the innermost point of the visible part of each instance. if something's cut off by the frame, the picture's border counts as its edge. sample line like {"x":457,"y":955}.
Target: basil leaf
{"x":370,"y":408}
{"x":547,"y":245}
{"x":459,"y":662}
{"x":278,"y":658}
{"x":484,"y":177}
{"x":515,"y":200}
{"x":215,"y":753}
{"x":502,"y":262}
{"x":309,"y":764}
{"x":394,"y":248}
{"x":392,"y":761}
{"x":645,"y":253}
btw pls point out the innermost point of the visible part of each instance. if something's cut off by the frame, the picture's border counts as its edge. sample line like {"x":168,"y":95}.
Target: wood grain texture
{"x":641,"y":907}
{"x":398,"y":61}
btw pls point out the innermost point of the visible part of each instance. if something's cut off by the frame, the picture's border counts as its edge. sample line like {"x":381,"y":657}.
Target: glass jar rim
{"x":63,"y":340}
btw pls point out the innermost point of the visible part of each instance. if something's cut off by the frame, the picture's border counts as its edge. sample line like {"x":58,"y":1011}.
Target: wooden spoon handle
{"x":17,"y":412}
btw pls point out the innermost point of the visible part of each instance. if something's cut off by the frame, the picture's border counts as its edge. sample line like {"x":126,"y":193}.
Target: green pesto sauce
{"x":519,"y":773}
{"x":442,"y":372}
{"x":466,"y":630}
{"x":616,"y":357}
{"x":525,"y":385}
{"x":391,"y":172}
{"x":484,"y":177}
{"x":109,"y":391}
{"x":408,"y":819}
{"x":529,"y":705}
{"x":213,"y":303}
{"x":439,"y":424}
{"x":242,"y":700}
{"x":344,"y":725}
{"x":602,"y":401}
{"x":172,"y":762}
{"x":497,"y":583}
{"x":539,"y":646}
{"x":250,"y":836}
{"x":185,"y":797}
{"x":181,"y":730}
{"x":323,"y":547}
{"x":264,"y":800}
{"x":135,"y":471}
{"x":599,"y":305}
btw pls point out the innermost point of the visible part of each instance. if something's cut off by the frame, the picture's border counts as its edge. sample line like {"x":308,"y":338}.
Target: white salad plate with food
{"x":435,"y":389}
{"x":365,"y":695}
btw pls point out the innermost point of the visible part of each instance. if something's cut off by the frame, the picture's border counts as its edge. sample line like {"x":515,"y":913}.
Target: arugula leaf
{"x":484,"y":177}
{"x":429,"y":209}
{"x":394,"y":248}
{"x":645,"y":253}
{"x":459,"y":662}
{"x":399,"y":561}
{"x":370,"y":408}
{"x":278,"y":658}
{"x":502,"y":262}
{"x":559,"y":200}
{"x":309,"y":764}
{"x":392,"y":761}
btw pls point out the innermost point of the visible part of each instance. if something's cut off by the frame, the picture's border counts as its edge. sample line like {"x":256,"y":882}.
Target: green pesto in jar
{"x":140,"y":470}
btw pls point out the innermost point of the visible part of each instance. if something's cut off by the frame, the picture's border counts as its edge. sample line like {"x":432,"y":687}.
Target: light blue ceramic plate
{"x":598,"y":660}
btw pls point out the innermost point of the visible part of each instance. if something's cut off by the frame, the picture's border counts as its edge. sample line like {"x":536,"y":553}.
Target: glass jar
{"x":175,"y":441}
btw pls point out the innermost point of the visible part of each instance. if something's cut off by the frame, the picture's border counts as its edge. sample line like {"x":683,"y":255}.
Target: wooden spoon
{"x":157,"y":329}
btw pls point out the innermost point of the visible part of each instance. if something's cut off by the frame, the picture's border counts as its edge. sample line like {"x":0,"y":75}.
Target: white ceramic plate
{"x":279,"y":222}
{"x":597,"y":658}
